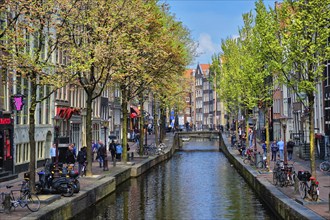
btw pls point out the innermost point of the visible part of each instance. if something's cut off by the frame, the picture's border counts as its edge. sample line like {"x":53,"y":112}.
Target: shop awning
{"x":135,"y":110}
{"x":67,"y":112}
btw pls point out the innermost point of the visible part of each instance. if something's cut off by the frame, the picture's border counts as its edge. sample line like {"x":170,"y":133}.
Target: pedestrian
{"x":70,"y":158}
{"x":250,"y":138}
{"x":112,"y":149}
{"x":101,"y":153}
{"x":74,"y":147}
{"x":274,"y":150}
{"x":119,"y":151}
{"x":240,"y":133}
{"x":264,"y":147}
{"x":289,"y":148}
{"x":82,"y":158}
{"x":94,"y":150}
{"x":52,"y":153}
{"x":280,"y":145}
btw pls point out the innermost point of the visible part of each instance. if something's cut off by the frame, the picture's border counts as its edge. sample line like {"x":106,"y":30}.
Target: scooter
{"x":72,"y":176}
{"x":49,"y":184}
{"x":59,"y":185}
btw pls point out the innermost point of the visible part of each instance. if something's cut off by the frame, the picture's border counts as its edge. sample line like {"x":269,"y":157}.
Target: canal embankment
{"x":284,"y":206}
{"x":102,"y":184}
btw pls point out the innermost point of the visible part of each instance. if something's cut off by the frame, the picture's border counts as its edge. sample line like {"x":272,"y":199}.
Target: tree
{"x":303,"y":34}
{"x":94,"y":31}
{"x":31,"y":41}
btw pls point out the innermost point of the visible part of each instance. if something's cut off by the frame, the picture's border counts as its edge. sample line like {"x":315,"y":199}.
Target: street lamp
{"x":57,"y":122}
{"x":105,"y":162}
{"x":283,"y":120}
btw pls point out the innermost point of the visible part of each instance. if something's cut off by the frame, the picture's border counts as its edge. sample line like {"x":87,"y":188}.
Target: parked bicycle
{"x":263,"y":163}
{"x":249,"y":158}
{"x":308,"y":186}
{"x":20,"y":197}
{"x":279,"y":176}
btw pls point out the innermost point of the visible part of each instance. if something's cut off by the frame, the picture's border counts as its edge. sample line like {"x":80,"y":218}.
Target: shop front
{"x":6,"y":143}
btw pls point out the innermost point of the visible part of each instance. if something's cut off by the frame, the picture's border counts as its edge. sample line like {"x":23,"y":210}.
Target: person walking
{"x":101,"y":153}
{"x":70,"y":158}
{"x":289,"y":148}
{"x":119,"y":151}
{"x":280,"y":145}
{"x":112,"y":149}
{"x":264,"y":147}
{"x":52,"y":153}
{"x":82,"y":158}
{"x":274,"y":150}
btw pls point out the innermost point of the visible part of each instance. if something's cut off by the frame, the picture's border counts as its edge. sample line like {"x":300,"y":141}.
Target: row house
{"x":206,"y":109}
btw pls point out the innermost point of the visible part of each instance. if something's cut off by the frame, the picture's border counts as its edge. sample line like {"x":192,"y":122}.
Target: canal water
{"x":198,"y":182}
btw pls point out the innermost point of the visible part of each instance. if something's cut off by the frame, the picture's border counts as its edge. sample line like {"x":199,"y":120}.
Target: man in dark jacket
{"x":112,"y":149}
{"x":289,"y":148}
{"x":82,"y":157}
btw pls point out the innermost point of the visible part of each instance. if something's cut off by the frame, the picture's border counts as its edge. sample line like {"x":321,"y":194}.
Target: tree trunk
{"x":125,"y":121}
{"x":154,"y":114}
{"x":311,"y":134}
{"x":32,"y":164}
{"x":162,"y":123}
{"x":89,"y":134}
{"x":141,"y":143}
{"x":267,"y":140}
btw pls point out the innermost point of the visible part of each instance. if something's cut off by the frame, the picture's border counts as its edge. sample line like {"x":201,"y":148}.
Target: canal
{"x":198,"y":182}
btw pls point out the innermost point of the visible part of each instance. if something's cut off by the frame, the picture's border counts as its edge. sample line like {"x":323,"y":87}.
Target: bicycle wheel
{"x":302,"y":189}
{"x":246,"y":160}
{"x":282,"y":178}
{"x":325,"y":166}
{"x":314,"y":193}
{"x":32,"y":202}
{"x":275,"y":179}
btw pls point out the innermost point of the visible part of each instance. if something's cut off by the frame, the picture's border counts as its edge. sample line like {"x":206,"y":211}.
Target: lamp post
{"x":56,"y":121}
{"x":105,"y":162}
{"x":283,"y":122}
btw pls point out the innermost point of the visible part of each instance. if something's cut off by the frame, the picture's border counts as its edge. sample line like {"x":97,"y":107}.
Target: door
{"x":6,"y":150}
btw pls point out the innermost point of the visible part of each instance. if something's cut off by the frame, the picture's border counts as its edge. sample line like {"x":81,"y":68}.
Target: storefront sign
{"x":5,"y":121}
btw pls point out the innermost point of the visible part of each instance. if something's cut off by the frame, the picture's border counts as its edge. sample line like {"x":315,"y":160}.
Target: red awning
{"x":135,"y":109}
{"x":66,"y":113}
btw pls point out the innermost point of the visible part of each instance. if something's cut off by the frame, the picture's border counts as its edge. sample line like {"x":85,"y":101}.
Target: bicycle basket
{"x":304,"y":175}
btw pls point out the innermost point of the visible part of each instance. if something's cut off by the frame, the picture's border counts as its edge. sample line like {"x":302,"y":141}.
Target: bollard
{"x":127,"y":156}
{"x":114,"y":161}
{"x":132,"y":155}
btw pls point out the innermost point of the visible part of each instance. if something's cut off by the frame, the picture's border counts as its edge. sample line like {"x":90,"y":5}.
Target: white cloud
{"x":205,"y":44}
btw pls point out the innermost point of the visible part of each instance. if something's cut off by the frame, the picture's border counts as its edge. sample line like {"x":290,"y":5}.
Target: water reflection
{"x":197,"y":183}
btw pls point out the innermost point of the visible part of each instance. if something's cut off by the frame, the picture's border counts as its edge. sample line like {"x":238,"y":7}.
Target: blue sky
{"x":210,"y":21}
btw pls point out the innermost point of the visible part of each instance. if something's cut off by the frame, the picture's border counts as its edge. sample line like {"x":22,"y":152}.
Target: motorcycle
{"x":72,"y":176}
{"x":49,"y":184}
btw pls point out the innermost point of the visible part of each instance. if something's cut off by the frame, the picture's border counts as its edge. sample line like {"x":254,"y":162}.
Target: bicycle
{"x":279,"y":176}
{"x":249,"y":157}
{"x":25,"y":198}
{"x":263,"y":163}
{"x":306,"y":189}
